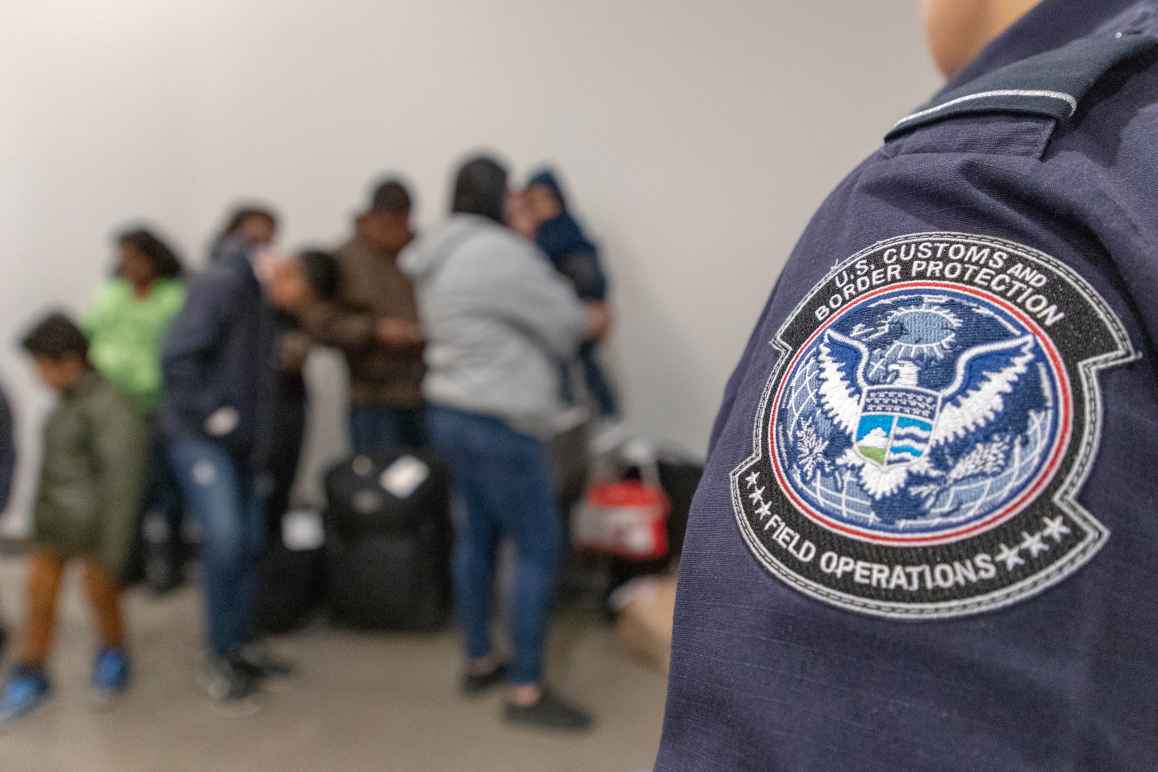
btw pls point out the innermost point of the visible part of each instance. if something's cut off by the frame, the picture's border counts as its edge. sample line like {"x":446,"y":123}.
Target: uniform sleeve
{"x":191,"y":339}
{"x":7,"y":451}
{"x":532,"y":296}
{"x":120,"y":449}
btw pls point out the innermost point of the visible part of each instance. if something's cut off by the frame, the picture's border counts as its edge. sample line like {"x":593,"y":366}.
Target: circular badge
{"x":929,"y":419}
{"x":920,"y":413}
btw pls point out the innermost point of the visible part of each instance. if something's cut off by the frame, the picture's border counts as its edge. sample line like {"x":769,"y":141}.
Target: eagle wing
{"x":983,"y":376}
{"x":842,"y":379}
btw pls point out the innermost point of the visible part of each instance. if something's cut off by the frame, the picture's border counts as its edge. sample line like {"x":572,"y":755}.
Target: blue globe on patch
{"x":920,"y":414}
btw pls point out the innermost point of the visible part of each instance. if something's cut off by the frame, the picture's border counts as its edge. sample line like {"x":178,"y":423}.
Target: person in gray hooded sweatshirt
{"x":499,"y":321}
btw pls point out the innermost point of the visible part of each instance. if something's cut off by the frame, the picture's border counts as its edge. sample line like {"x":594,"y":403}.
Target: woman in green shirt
{"x":131,"y":314}
{"x":125,"y":327}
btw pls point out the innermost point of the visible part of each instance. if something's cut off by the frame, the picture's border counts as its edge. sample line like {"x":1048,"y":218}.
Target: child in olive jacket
{"x":95,"y":448}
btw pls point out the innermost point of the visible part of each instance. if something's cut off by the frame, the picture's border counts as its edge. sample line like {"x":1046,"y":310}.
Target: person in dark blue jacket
{"x":7,"y":470}
{"x":562,"y":239}
{"x":220,"y":364}
{"x":7,"y":451}
{"x":247,"y":226}
{"x":926,"y":534}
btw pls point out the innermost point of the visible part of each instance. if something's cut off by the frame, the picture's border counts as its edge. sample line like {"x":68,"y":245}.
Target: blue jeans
{"x":222,"y":494}
{"x":379,"y":428}
{"x":502,"y":479}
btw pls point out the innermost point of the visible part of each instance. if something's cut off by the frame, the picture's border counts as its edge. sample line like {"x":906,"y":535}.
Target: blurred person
{"x":374,"y":322}
{"x":7,"y":472}
{"x":499,"y":321}
{"x":219,"y":413}
{"x":130,"y":314}
{"x":248,"y":227}
{"x":94,"y":457}
{"x":125,"y":326}
{"x":306,"y":279}
{"x":520,"y":218}
{"x":562,"y":239}
{"x":925,"y":537}
{"x":7,"y":456}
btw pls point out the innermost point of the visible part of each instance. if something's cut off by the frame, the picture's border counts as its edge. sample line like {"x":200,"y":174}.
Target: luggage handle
{"x":638,"y":456}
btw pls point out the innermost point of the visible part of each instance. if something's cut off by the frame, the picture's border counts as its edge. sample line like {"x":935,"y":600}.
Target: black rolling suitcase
{"x":388,"y":541}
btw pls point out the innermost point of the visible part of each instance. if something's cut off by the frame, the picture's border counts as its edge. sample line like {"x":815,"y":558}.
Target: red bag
{"x":627,"y":519}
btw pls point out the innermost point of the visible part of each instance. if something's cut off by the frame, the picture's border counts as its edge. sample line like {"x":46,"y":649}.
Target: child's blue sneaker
{"x":110,"y":673}
{"x":27,"y":689}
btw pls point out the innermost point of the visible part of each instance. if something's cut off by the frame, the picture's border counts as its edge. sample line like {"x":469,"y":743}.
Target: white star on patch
{"x":1034,"y":544}
{"x":1010,"y":557}
{"x":765,"y":510}
{"x":752,"y":479}
{"x":756,"y":496}
{"x":1055,"y":528}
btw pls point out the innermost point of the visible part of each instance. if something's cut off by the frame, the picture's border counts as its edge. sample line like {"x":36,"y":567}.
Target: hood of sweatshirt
{"x":424,"y":256}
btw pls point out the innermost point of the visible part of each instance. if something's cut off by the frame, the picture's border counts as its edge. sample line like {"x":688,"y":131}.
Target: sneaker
{"x":230,"y":687}
{"x":261,"y":663}
{"x":550,"y":712}
{"x":110,"y":674}
{"x":27,"y":689}
{"x":475,"y":684}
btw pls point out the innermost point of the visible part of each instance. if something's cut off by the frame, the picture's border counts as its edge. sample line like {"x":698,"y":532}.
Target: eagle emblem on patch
{"x":928,"y":423}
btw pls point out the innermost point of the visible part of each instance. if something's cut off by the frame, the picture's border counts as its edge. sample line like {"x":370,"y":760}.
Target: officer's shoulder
{"x":1058,"y":90}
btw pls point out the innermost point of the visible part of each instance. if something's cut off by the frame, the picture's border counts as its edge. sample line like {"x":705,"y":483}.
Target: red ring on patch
{"x":1005,"y":513}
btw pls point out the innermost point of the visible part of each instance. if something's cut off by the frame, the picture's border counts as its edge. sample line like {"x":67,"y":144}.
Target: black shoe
{"x":550,"y":712}
{"x":474,"y":684}
{"x":230,"y":687}
{"x":260,"y":663}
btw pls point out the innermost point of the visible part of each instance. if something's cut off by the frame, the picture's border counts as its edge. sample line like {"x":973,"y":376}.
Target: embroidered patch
{"x":926,"y":429}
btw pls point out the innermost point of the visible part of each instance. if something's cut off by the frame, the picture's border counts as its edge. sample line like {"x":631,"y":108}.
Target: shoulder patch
{"x":929,"y":422}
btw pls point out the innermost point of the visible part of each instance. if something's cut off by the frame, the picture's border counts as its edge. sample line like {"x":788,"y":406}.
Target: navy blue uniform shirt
{"x":927,"y":535}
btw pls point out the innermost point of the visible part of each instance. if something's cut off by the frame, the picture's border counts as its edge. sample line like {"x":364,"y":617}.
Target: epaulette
{"x":1051,"y":84}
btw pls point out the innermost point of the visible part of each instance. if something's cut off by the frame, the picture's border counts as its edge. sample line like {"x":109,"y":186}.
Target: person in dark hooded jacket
{"x":7,"y":469}
{"x":7,"y":451}
{"x":562,"y":239}
{"x":219,"y":416}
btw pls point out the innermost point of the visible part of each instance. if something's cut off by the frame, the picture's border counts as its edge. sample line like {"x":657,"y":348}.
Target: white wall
{"x":697,"y":138}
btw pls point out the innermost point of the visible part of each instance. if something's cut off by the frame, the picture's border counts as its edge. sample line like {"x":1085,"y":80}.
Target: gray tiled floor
{"x":364,"y":703}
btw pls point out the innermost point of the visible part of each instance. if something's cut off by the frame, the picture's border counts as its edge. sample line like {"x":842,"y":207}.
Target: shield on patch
{"x":896,"y":423}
